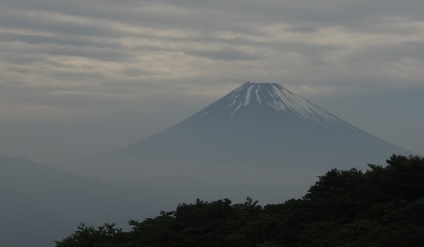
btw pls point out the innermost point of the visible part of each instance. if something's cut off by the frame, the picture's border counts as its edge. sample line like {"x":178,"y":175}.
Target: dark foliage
{"x":383,"y":206}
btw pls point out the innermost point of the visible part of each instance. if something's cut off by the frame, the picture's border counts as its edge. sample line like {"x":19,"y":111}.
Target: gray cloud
{"x":68,"y":59}
{"x":227,"y":55}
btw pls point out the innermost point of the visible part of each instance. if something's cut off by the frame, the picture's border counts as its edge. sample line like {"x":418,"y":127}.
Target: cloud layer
{"x":70,"y":62}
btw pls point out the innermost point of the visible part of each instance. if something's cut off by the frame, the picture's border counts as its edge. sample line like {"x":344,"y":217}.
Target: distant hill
{"x":257,"y":139}
{"x":40,"y":204}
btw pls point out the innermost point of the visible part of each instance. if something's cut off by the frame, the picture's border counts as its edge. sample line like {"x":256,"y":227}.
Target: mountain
{"x":260,"y":136}
{"x":40,"y":204}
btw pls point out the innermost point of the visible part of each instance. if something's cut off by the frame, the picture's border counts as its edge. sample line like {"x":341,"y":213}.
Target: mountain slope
{"x":263,"y":123}
{"x":255,"y":132}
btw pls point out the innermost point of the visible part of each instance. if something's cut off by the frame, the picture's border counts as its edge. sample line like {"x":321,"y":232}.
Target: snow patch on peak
{"x":285,"y":101}
{"x":234,"y":101}
{"x":288,"y":101}
{"x":248,"y":95}
{"x":258,"y":98}
{"x":235,"y":111}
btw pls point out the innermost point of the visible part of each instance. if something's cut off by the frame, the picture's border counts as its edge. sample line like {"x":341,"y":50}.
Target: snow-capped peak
{"x":252,"y":97}
{"x":275,"y":96}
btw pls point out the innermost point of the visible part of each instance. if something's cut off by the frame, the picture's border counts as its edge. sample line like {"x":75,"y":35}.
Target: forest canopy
{"x":382,"y":206}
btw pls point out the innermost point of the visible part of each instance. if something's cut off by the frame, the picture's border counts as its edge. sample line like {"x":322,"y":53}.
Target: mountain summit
{"x":266,"y":97}
{"x":258,"y":128}
{"x":257,"y":99}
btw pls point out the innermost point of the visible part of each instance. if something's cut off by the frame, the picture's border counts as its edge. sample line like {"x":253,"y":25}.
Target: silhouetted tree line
{"x":383,"y":206}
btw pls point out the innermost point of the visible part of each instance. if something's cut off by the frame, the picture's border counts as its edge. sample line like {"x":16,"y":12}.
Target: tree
{"x":382,"y":206}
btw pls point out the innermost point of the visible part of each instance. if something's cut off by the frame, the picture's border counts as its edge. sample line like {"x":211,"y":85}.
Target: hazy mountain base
{"x":212,"y":165}
{"x":381,"y":207}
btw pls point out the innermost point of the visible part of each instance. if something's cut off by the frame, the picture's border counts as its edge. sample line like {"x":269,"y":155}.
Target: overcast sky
{"x":81,"y":77}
